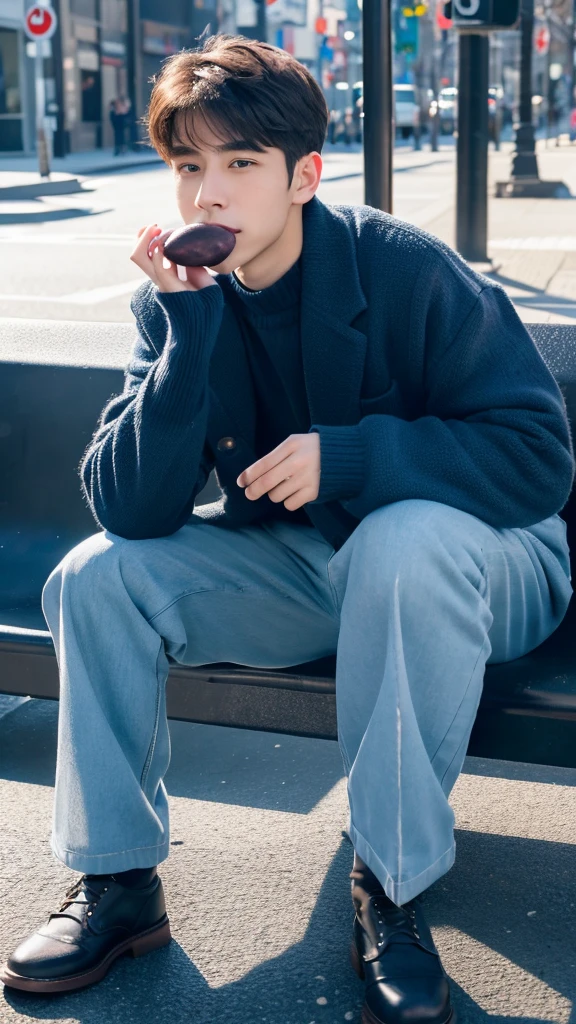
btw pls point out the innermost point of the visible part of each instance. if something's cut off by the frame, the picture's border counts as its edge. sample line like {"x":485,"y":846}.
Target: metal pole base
{"x":524,"y":165}
{"x":43,"y":154}
{"x":528,"y":187}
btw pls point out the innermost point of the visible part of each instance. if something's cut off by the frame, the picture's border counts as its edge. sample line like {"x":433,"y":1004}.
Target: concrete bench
{"x":55,"y":379}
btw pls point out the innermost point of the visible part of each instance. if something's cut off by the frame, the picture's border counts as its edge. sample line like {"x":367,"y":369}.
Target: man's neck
{"x":275,"y":261}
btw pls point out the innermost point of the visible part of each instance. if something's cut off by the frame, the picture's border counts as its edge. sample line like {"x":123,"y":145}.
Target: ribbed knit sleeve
{"x":147,"y":460}
{"x":342,"y":462}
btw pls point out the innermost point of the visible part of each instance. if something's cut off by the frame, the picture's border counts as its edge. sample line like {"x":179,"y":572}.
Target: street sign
{"x":483,"y":15}
{"x":40,"y":22}
{"x":542,"y":40}
{"x":441,"y":20}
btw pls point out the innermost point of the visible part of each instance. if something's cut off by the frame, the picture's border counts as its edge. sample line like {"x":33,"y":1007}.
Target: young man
{"x":393,"y":453}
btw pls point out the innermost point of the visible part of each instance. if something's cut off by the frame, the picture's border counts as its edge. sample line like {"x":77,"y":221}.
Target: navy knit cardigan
{"x":422,"y":382}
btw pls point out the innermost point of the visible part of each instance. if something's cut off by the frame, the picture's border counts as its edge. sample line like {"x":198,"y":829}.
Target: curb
{"x":104,"y":168}
{"x":46,"y":188}
{"x":72,"y":184}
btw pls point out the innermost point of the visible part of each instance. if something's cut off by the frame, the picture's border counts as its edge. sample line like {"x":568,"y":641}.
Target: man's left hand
{"x":290,"y":473}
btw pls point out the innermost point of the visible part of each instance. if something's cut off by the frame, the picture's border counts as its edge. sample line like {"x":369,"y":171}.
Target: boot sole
{"x":137,"y":945}
{"x":367,"y":1015}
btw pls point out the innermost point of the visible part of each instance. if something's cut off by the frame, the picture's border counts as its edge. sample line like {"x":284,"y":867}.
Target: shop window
{"x":10,"y":98}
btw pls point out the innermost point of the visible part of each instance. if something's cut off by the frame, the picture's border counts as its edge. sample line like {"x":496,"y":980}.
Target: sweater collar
{"x":279,"y":297}
{"x":331,"y":291}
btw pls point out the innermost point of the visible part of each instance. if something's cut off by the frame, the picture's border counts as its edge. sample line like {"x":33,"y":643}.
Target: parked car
{"x":448,"y":107}
{"x":406,"y":109}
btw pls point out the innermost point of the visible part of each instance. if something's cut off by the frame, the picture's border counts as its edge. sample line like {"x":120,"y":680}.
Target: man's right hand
{"x":161,"y":271}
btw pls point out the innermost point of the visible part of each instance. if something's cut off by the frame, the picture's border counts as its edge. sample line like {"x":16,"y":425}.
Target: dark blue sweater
{"x":269,"y":321}
{"x":421,"y":381}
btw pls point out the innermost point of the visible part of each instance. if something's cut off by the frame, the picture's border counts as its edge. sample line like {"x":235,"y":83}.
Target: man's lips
{"x":235,"y":231}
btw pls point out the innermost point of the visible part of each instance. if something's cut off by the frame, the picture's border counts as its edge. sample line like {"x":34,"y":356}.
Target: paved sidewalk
{"x":93,"y":162}
{"x":532,"y":242}
{"x":258,"y":889}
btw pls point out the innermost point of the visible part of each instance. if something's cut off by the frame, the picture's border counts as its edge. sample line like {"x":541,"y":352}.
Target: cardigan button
{"x":226,"y":444}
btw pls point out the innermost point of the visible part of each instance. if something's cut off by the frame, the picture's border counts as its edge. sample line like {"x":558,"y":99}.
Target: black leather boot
{"x":99,"y":920}
{"x":394,"y":953}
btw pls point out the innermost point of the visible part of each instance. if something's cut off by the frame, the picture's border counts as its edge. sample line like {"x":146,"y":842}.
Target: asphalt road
{"x":257,"y":886}
{"x":66,"y":257}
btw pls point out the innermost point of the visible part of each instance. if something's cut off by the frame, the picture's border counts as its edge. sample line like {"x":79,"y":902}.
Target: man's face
{"x":236,"y":187}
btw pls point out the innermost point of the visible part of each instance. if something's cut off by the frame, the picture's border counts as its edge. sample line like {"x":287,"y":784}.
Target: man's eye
{"x":247,"y":163}
{"x":189,"y":167}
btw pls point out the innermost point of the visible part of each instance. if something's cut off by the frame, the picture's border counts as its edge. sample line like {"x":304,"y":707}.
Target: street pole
{"x":261,"y":27}
{"x":59,"y":139}
{"x":472,"y":151}
{"x":41,"y":139}
{"x":378,"y":103}
{"x":572,"y":103}
{"x":525,"y":163}
{"x":525,"y":181}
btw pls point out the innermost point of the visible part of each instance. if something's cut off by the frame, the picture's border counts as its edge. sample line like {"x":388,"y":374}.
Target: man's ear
{"x":307,"y":174}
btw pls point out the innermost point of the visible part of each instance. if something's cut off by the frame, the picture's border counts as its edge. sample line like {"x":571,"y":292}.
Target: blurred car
{"x":495,"y":113}
{"x":406,"y":109}
{"x":448,"y":109}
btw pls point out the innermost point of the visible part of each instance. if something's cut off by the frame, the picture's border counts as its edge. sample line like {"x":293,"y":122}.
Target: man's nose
{"x":210,"y":193}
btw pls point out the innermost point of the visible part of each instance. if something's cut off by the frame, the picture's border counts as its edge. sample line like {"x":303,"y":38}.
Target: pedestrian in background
{"x":130,"y":122}
{"x":118,"y":120}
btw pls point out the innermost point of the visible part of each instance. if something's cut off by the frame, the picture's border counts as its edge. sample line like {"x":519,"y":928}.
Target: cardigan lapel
{"x":333,"y":352}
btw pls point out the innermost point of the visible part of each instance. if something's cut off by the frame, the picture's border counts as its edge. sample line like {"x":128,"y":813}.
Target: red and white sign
{"x":40,"y":22}
{"x":542,"y":40}
{"x":441,"y":20}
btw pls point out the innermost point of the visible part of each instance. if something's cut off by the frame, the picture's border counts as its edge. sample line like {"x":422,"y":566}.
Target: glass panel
{"x":11,"y":134}
{"x":404,"y":96}
{"x":85,"y":8}
{"x":10,"y":98}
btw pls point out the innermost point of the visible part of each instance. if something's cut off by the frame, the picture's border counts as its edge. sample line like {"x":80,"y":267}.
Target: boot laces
{"x":402,"y":919}
{"x":82,"y":884}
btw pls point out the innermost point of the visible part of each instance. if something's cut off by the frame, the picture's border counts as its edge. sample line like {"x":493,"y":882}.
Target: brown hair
{"x":243,"y":89}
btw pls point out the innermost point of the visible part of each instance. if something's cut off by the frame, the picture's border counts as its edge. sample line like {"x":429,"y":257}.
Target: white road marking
{"x":85,"y":298}
{"x":534,"y":303}
{"x":21,"y":237}
{"x":564,"y":243}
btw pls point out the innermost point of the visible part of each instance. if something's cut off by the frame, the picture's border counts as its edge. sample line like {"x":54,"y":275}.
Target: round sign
{"x":467,"y":10}
{"x":542,"y":39}
{"x":441,"y":20}
{"x":40,"y":22}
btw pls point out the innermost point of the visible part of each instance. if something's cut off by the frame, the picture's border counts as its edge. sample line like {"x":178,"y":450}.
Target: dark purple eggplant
{"x":199,"y":245}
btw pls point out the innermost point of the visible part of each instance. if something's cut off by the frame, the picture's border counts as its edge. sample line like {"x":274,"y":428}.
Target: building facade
{"x":16,"y":81}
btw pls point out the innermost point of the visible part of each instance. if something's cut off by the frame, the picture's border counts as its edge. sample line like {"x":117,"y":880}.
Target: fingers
{"x":148,"y":254}
{"x":139,"y":254}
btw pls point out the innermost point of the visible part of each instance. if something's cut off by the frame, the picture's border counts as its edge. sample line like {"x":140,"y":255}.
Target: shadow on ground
{"x":39,"y":211}
{"x":504,"y":916}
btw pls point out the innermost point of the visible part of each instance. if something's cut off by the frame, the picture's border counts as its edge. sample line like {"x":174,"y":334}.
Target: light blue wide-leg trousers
{"x":414,"y":604}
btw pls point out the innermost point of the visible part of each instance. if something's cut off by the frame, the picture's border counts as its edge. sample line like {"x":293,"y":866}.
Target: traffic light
{"x":483,"y":14}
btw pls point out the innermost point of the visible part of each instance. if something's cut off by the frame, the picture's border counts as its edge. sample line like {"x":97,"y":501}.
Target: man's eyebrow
{"x":233,"y":146}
